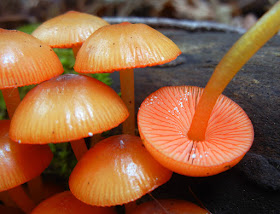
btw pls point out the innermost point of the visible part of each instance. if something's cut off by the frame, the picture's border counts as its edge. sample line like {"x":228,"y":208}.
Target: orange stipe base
{"x":66,"y":203}
{"x":164,"y":119}
{"x":173,"y":206}
{"x":115,"y":171}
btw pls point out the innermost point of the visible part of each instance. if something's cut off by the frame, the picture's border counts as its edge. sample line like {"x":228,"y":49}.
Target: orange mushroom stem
{"x":12,"y":100}
{"x":127,"y":93}
{"x":232,"y":62}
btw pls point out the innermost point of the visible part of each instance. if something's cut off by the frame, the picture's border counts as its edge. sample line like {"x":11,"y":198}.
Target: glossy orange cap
{"x":123,"y":46}
{"x":67,"y":107}
{"x":164,"y":119}
{"x":25,"y":60}
{"x":20,"y":163}
{"x":115,"y":171}
{"x":66,"y":203}
{"x":69,"y":29}
{"x":173,"y":206}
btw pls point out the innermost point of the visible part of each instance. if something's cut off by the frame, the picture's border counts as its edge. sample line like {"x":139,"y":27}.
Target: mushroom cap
{"x":25,"y":60}
{"x":65,"y":108}
{"x":69,"y":29}
{"x":173,"y":206}
{"x":115,"y":171}
{"x":123,"y":46}
{"x":20,"y":163}
{"x":164,"y":119}
{"x":66,"y":203}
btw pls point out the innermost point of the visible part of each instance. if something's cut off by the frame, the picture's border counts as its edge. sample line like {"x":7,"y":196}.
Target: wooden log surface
{"x":253,"y":185}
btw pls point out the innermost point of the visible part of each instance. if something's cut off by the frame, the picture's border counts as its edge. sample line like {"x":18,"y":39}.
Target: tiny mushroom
{"x":19,"y":164}
{"x":115,"y":171}
{"x":124,"y":47}
{"x":68,"y":30}
{"x":66,"y":108}
{"x":66,"y":203}
{"x":199,"y":132}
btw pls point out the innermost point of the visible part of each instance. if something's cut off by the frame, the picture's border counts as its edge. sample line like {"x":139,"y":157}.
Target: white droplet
{"x":90,"y":134}
{"x":193,"y":155}
{"x":19,"y":141}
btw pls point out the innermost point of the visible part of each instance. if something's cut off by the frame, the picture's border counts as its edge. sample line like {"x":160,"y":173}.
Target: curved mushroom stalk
{"x":202,"y":133}
{"x":231,"y":63}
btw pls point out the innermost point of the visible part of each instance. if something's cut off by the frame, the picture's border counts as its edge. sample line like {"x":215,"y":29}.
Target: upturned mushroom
{"x":123,"y":47}
{"x":199,"y":132}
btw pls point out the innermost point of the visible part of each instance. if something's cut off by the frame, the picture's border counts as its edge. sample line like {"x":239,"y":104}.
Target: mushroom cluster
{"x":184,"y":129}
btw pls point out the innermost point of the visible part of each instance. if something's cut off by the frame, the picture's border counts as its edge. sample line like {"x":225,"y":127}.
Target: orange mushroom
{"x":19,"y":164}
{"x":163,"y":206}
{"x":66,"y":203}
{"x":115,"y":171}
{"x":68,"y":30}
{"x":205,"y":133}
{"x":124,"y":47}
{"x":164,"y":119}
{"x":67,"y":108}
{"x":24,"y":60}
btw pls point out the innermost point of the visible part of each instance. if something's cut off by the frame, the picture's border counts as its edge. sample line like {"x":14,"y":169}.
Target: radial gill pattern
{"x":122,"y":46}
{"x":115,"y":171}
{"x":164,"y":119}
